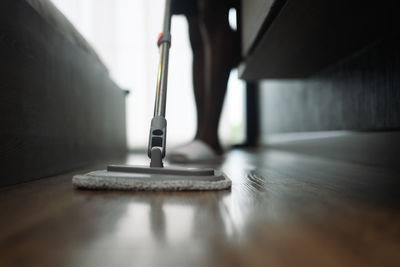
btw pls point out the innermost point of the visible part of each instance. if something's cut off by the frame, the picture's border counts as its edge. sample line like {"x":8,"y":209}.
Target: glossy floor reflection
{"x":284,"y":209}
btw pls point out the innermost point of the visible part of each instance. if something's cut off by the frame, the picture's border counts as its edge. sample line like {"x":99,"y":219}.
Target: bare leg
{"x":216,"y":50}
{"x":221,"y":54}
{"x":196,"y":42}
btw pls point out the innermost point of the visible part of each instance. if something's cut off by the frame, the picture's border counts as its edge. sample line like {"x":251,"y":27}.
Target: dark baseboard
{"x":381,"y":149}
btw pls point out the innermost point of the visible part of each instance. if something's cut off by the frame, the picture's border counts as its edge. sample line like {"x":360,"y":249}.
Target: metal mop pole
{"x":158,"y":130}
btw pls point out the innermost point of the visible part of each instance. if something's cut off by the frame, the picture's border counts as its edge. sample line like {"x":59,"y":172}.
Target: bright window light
{"x":124,"y":34}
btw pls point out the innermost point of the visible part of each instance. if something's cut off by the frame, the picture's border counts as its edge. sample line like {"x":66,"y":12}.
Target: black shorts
{"x":189,"y":7}
{"x":184,"y":7}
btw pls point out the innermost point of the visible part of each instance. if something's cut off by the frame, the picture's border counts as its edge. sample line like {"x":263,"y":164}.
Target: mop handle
{"x":164,"y":43}
{"x":158,"y":129}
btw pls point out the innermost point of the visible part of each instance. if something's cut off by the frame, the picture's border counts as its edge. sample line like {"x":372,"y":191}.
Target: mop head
{"x":119,"y":177}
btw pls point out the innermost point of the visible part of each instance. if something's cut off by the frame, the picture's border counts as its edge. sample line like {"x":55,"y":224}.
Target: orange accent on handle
{"x":160,"y":35}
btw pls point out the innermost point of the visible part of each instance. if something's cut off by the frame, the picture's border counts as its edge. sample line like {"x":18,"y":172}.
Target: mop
{"x":155,"y":177}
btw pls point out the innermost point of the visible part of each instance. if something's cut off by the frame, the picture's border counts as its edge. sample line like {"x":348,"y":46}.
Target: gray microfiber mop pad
{"x":125,"y":181}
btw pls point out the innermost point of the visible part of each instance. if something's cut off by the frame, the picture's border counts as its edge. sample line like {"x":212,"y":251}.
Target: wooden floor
{"x":284,"y":209}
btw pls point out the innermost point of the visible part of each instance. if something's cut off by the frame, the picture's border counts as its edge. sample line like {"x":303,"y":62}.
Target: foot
{"x":196,"y":151}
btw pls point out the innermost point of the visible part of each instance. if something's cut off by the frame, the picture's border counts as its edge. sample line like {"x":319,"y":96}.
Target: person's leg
{"x":216,"y":50}
{"x":221,"y":54}
{"x":196,"y":42}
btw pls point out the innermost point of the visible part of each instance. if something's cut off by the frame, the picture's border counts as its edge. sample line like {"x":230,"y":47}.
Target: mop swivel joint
{"x":157,"y":140}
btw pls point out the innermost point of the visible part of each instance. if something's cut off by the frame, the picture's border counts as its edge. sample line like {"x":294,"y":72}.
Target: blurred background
{"x":124,"y":33}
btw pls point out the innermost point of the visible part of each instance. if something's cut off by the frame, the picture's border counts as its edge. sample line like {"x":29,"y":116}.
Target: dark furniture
{"x":59,"y":108}
{"x":327,"y":67}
